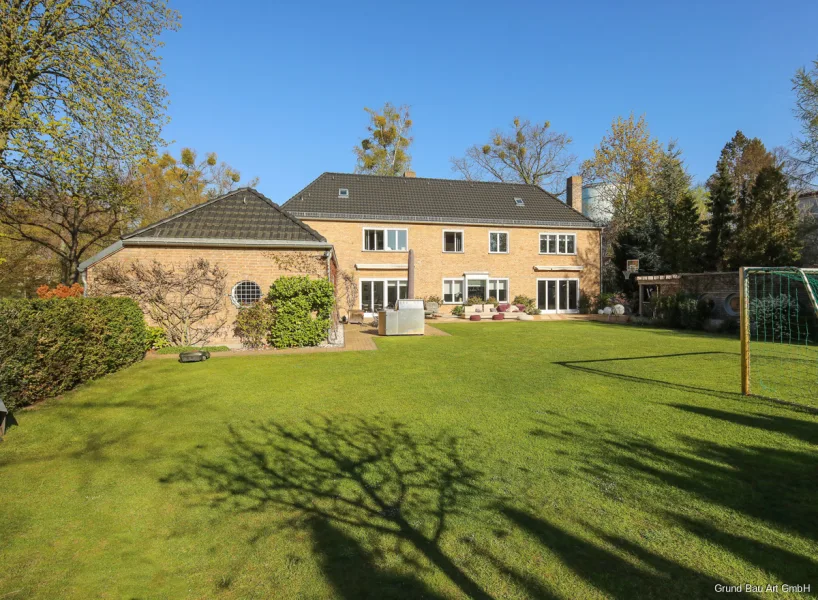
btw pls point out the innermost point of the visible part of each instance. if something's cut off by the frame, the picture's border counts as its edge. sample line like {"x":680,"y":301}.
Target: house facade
{"x":246,"y":234}
{"x":489,"y":240}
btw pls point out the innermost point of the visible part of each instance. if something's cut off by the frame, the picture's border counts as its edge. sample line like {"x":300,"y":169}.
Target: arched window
{"x":245,"y":293}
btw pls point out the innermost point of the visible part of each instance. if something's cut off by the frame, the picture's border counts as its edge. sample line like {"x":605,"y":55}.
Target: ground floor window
{"x":379,"y":294}
{"x":558,"y":295}
{"x":453,"y":291}
{"x":476,"y":287}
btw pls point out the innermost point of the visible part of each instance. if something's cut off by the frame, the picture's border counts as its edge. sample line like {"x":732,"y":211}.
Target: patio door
{"x":379,"y":294}
{"x":558,"y":295}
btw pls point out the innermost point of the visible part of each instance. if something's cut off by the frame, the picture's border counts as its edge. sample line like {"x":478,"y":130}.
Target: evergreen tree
{"x":769,"y":235}
{"x":721,"y":206}
{"x":684,"y":242}
{"x":670,"y":184}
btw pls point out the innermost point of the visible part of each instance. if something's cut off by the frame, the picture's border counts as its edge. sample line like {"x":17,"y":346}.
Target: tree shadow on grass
{"x":610,"y":572}
{"x":799,"y":429}
{"x":342,"y":475}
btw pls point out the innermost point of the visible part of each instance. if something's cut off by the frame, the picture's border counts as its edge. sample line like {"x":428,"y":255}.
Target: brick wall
{"x":253,"y":264}
{"x":432,"y":265}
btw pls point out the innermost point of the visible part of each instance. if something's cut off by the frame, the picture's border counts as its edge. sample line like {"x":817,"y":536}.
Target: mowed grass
{"x":515,"y":460}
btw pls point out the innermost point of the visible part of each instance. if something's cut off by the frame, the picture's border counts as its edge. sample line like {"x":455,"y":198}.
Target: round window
{"x":732,"y":305}
{"x":245,"y":293}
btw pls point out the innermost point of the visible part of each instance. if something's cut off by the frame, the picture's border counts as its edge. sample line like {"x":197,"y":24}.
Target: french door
{"x":558,"y":295}
{"x":378,"y":294}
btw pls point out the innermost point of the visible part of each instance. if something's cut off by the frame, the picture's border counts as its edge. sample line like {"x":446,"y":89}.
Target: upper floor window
{"x":558,"y":243}
{"x":452,"y":241}
{"x":498,"y":242}
{"x":385,"y":239}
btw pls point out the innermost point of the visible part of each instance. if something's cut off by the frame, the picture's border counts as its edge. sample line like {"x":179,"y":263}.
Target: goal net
{"x":779,"y":333}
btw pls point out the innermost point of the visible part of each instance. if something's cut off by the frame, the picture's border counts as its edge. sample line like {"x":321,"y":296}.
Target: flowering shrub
{"x":61,"y":291}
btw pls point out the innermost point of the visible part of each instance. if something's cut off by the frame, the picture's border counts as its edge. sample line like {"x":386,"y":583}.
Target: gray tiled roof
{"x":377,"y":198}
{"x":243,"y":214}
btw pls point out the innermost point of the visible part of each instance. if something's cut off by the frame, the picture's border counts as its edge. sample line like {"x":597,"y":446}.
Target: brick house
{"x":245,"y":233}
{"x":469,"y":238}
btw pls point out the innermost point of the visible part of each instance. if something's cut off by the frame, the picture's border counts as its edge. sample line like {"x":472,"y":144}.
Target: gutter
{"x":318,"y":216}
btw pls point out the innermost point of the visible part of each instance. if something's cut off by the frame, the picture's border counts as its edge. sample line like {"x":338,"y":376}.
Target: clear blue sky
{"x":278,"y":89}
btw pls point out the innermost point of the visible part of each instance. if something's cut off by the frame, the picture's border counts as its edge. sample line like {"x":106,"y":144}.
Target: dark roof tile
{"x":378,"y":198}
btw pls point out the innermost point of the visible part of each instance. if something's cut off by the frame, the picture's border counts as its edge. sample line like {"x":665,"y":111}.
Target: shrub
{"x":493,"y":301}
{"x":458,"y":310}
{"x":472,"y":300}
{"x":585,"y":304}
{"x":61,"y":291}
{"x":682,"y":311}
{"x":433,"y":298}
{"x":529,"y":305}
{"x":303,"y":307}
{"x":50,"y":346}
{"x":253,"y":324}
{"x":156,"y":338}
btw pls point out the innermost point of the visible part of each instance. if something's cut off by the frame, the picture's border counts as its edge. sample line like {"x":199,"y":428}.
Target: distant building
{"x":596,"y":201}
{"x":807,"y":202}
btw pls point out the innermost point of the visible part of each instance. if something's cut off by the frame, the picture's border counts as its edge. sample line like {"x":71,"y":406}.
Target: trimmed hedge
{"x":50,"y":346}
{"x":303,"y":310}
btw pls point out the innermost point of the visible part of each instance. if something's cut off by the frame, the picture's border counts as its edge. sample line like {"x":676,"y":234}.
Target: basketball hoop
{"x":632,"y":266}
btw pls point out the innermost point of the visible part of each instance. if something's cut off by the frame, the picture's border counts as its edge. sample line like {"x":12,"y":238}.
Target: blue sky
{"x":278,"y":89}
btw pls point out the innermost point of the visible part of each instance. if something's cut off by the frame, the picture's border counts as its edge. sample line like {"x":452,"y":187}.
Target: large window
{"x":390,"y":240}
{"x":558,"y":243}
{"x":453,"y":291}
{"x":476,"y":287}
{"x":558,"y":295}
{"x":498,"y":242}
{"x":379,"y":294}
{"x":452,"y":241}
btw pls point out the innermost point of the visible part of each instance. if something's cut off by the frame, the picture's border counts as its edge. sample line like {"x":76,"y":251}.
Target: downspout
{"x":84,"y":284}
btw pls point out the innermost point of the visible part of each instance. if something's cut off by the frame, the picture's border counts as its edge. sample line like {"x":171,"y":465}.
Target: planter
{"x":525,"y":317}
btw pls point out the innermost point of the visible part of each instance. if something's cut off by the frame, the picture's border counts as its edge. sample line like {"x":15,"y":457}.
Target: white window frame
{"x":385,"y":281}
{"x":462,"y":281}
{"x":386,"y":231}
{"x":462,"y":241}
{"x":235,"y":300}
{"x":557,"y":310}
{"x":508,"y":242}
{"x":557,"y":237}
{"x":487,"y":279}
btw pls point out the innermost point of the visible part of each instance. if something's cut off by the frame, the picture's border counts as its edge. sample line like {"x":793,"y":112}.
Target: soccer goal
{"x":779,"y":333}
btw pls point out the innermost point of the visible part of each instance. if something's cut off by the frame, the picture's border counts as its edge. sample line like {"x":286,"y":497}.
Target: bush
{"x":529,"y":304}
{"x":682,"y":311}
{"x":472,"y":300}
{"x":585,"y":303}
{"x":50,"y":346}
{"x":61,"y":291}
{"x":458,"y":310}
{"x":303,"y":308}
{"x":156,"y":338}
{"x":433,"y":298}
{"x":253,"y":324}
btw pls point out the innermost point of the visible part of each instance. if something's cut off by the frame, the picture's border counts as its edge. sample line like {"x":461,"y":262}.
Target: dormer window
{"x":343,"y":192}
{"x":519,"y":202}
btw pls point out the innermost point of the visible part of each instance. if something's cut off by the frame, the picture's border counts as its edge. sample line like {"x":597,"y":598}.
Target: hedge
{"x":50,"y":346}
{"x":302,"y":311}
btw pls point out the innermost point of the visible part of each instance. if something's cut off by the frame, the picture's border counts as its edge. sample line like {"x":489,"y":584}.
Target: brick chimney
{"x":409,"y":173}
{"x":573,"y":192}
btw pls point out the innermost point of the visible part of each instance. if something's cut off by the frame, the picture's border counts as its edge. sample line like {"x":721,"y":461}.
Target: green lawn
{"x":521,"y":460}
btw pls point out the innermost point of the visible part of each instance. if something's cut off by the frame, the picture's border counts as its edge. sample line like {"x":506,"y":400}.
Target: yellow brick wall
{"x":253,"y":264}
{"x":432,"y":265}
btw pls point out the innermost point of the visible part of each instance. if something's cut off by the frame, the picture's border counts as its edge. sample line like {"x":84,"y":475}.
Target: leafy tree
{"x":626,"y":160}
{"x":75,"y":68}
{"x":70,"y":212}
{"x":165,"y":185}
{"x":529,"y":153}
{"x":24,"y":266}
{"x":805,"y":84}
{"x":684,"y":242}
{"x":769,"y":236}
{"x":384,"y":150}
{"x":721,"y":224}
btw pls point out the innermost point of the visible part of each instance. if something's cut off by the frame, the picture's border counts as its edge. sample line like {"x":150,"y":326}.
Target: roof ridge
{"x":402,"y":178}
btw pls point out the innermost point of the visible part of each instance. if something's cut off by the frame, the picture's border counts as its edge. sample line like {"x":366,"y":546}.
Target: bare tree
{"x":528,"y":153}
{"x":188,"y":300}
{"x":346,"y":290}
